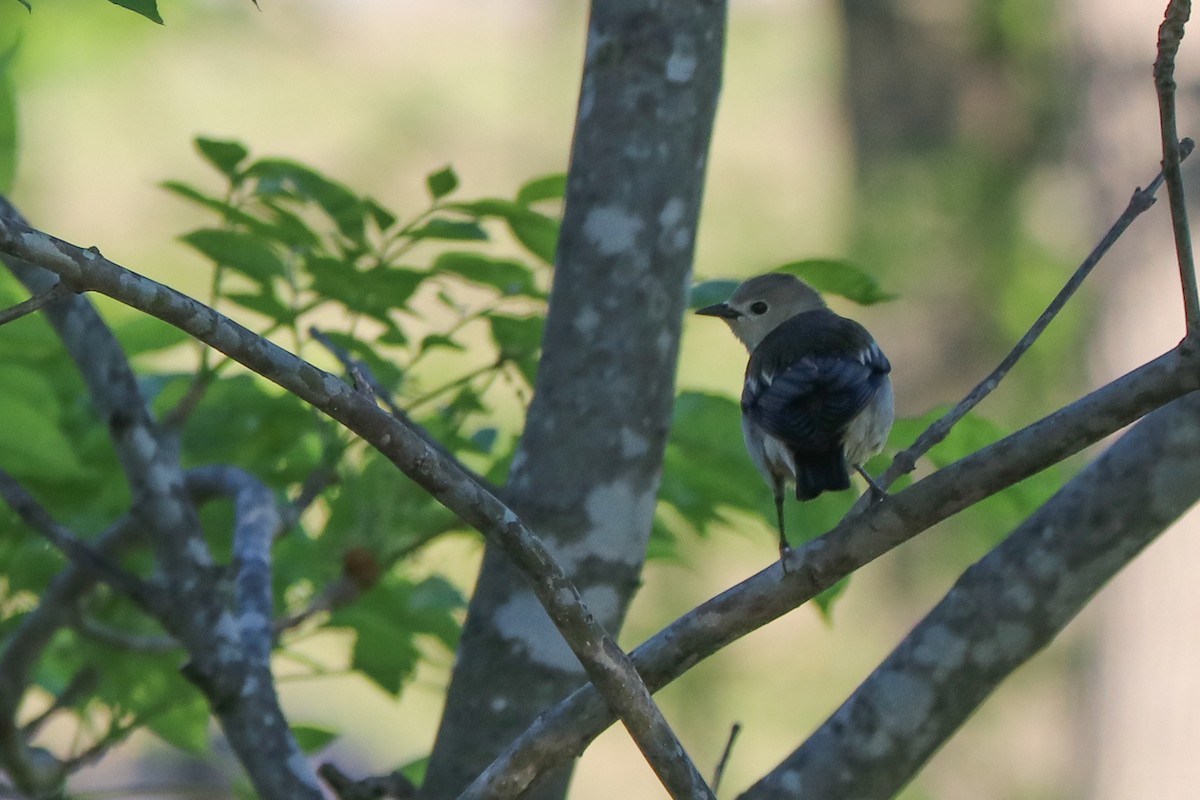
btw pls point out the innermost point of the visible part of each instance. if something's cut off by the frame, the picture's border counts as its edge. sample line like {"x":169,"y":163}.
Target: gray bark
{"x":587,"y":470}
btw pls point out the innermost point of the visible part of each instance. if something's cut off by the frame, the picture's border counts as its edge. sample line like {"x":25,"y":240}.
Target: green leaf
{"x":224,"y":155}
{"x":518,"y":339}
{"x":508,"y":276}
{"x":265,"y":303}
{"x":143,"y":334}
{"x":313,"y":738}
{"x":384,"y":219}
{"x":710,"y":293}
{"x":434,"y":340}
{"x":147,"y":8}
{"x":31,"y":443}
{"x":26,"y":4}
{"x":383,"y":651}
{"x":451,"y":230}
{"x":289,"y":229}
{"x":375,"y":292}
{"x":549,"y":187}
{"x":538,"y":233}
{"x":415,"y":770}
{"x":240,"y":251}
{"x":183,"y":723}
{"x":227,"y":211}
{"x":278,"y":176}
{"x":705,"y":466}
{"x":843,"y":278}
{"x":442,"y":182}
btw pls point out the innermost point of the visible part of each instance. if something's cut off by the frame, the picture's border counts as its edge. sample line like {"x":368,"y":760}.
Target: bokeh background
{"x":966,"y":152}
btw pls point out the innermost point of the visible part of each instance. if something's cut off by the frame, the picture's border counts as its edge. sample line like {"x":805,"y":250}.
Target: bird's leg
{"x":783,"y":542}
{"x":874,"y":488}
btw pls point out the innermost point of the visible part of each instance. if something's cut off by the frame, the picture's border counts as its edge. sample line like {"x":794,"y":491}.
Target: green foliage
{"x":147,"y":8}
{"x":417,"y":304}
{"x":313,"y":738}
{"x":8,"y":123}
{"x":828,"y":276}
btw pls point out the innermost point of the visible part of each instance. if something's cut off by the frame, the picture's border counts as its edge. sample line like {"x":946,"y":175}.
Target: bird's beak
{"x":721,"y":310}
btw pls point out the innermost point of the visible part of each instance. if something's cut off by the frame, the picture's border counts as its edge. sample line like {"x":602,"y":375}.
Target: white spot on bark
{"x":633,"y":444}
{"x":197,"y":552}
{"x":498,"y":704}
{"x":603,"y":601}
{"x":587,"y":320}
{"x":681,"y":64}
{"x":619,"y":514}
{"x":671,"y":213}
{"x":941,"y":649}
{"x":611,"y":230}
{"x":333,"y":386}
{"x":522,"y":621}
{"x":902,"y":702}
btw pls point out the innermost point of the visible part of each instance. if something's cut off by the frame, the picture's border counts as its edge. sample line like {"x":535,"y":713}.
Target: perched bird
{"x":817,"y":399}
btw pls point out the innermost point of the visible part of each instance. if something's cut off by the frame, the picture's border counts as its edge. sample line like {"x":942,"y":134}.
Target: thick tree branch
{"x":1170,"y":34}
{"x":1000,"y":613}
{"x":606,"y":665}
{"x":563,"y":732}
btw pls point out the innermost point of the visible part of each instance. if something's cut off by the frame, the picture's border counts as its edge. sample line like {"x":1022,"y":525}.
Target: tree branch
{"x":1170,"y":34}
{"x":257,"y":522}
{"x":565,"y":731}
{"x":34,"y":303}
{"x":1001,"y":612}
{"x":606,"y":665}
{"x":906,"y":460}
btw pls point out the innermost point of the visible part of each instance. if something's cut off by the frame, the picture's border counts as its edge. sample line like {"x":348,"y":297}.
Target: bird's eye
{"x":759,"y":307}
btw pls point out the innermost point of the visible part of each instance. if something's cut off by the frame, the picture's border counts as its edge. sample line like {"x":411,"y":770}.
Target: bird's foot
{"x":876,"y":491}
{"x":784,"y":552}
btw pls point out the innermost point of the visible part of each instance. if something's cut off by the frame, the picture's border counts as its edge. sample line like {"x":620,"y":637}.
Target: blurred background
{"x":968,"y":153}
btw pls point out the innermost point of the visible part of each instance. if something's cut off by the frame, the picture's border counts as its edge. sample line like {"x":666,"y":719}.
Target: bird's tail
{"x":821,"y":472}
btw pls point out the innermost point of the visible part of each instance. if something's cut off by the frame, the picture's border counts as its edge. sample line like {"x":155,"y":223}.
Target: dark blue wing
{"x":809,"y":404}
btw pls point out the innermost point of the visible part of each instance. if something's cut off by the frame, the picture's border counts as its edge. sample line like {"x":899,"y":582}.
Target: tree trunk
{"x":587,"y":470}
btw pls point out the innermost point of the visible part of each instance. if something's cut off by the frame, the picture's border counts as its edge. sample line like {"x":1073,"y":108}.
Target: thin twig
{"x":83,"y":684}
{"x":719,"y":772}
{"x":34,"y":303}
{"x":125,"y":640}
{"x":33,"y":514}
{"x":1170,"y":34}
{"x":906,"y":460}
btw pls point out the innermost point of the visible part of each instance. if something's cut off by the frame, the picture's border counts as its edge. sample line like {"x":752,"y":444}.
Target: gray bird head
{"x":761,"y":303}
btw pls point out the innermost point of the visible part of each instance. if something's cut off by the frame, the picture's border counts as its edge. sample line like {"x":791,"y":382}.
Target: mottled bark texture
{"x":587,"y":470}
{"x":1001,"y":612}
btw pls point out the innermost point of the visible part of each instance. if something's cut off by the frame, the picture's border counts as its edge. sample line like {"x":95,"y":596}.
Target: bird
{"x":817,"y":399}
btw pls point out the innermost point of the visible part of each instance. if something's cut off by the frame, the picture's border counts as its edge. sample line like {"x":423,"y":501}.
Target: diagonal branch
{"x":1001,"y":612}
{"x":565,"y":731}
{"x":1170,"y":34}
{"x":606,"y":665}
{"x":35,"y":303}
{"x":1142,"y":200}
